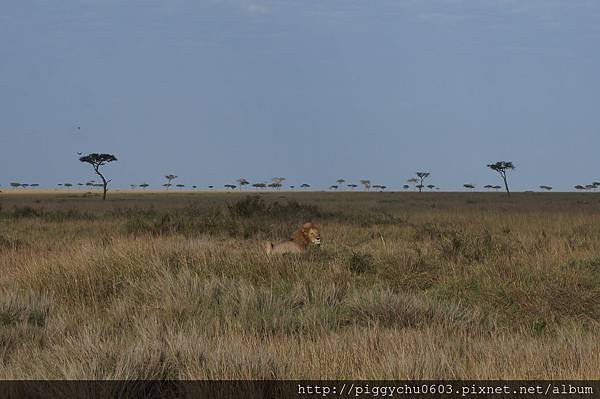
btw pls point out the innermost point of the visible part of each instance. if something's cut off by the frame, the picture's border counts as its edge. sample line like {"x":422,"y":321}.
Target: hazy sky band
{"x":311,"y":90}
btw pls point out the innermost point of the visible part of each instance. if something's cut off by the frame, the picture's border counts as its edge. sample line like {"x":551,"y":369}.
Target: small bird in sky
{"x":79,"y":153}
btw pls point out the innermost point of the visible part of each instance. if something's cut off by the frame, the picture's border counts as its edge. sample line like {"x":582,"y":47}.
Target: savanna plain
{"x":405,"y":286}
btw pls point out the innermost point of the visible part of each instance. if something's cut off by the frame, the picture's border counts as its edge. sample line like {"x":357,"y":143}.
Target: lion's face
{"x":311,"y":231}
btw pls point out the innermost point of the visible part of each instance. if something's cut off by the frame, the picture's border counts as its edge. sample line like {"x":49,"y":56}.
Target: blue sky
{"x":214,"y":90}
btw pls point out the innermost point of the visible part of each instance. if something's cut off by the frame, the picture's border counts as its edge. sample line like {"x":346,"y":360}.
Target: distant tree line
{"x":99,"y":161}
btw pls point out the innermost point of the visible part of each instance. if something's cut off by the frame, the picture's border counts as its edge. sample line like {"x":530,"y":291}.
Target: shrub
{"x":65,"y":215}
{"x":25,"y":212}
{"x":470,"y":246}
{"x":59,"y":215}
{"x":246,"y":218}
{"x":23,"y":307}
{"x":254,"y":205}
{"x":250,"y":205}
{"x":361,"y":263}
{"x":7,"y":243}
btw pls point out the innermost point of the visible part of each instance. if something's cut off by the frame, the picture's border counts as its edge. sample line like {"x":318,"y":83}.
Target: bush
{"x":254,"y":205}
{"x":23,"y":307}
{"x":361,"y":263}
{"x":250,"y":205}
{"x":65,"y":215}
{"x":25,"y":212}
{"x":470,"y":246}
{"x":7,"y":243}
{"x":246,"y":218}
{"x":59,"y":215}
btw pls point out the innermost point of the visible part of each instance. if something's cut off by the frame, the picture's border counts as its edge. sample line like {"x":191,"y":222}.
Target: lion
{"x":308,"y":233}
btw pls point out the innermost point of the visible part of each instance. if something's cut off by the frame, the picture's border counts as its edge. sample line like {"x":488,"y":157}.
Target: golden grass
{"x":406,"y":286}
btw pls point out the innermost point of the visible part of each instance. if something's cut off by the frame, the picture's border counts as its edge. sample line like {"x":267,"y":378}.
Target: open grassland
{"x":406,"y":285}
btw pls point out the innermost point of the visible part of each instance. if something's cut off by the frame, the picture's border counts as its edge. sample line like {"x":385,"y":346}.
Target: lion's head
{"x":308,"y":233}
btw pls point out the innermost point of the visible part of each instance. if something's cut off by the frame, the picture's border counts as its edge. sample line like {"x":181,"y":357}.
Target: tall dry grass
{"x":405,"y":286}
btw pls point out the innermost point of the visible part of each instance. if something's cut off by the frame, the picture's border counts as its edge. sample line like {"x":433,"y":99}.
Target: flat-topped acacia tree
{"x":501,"y":167}
{"x":97,"y":161}
{"x":242,"y":182}
{"x":169,"y":178}
{"x":422,"y":176}
{"x":277,"y":182}
{"x":366,"y":184}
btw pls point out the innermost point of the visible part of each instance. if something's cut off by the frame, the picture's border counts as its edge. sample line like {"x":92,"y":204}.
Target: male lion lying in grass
{"x":305,"y":235}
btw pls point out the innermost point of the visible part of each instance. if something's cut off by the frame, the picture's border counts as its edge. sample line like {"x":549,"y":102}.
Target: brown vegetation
{"x":405,"y":286}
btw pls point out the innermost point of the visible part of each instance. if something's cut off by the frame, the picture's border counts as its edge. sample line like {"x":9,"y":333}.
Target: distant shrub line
{"x":245,"y":218}
{"x":26,"y":211}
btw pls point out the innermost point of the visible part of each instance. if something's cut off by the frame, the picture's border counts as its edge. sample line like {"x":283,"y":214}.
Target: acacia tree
{"x":422,"y":176}
{"x":97,"y":161}
{"x":169,"y":179}
{"x":366,"y":184}
{"x":277,"y":182}
{"x":413,"y":180}
{"x":242,"y":182}
{"x":501,"y":167}
{"x":340,"y":181}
